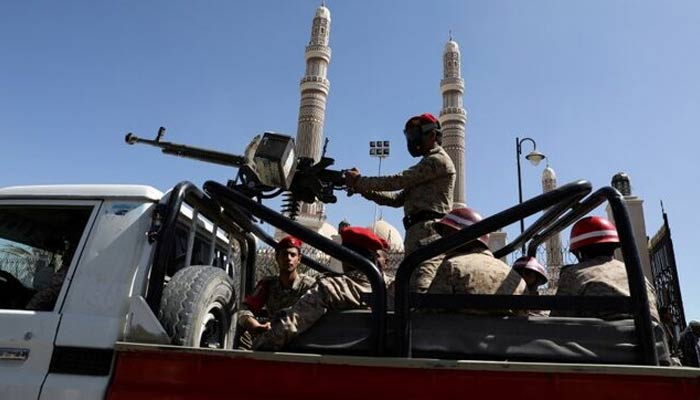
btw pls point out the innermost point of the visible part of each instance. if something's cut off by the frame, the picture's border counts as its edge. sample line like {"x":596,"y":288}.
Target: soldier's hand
{"x":262,"y":328}
{"x":351,"y":177}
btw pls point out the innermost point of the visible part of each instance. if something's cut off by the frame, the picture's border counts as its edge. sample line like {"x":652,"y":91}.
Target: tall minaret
{"x":553,"y":244}
{"x":314,"y":89}
{"x":453,"y":117}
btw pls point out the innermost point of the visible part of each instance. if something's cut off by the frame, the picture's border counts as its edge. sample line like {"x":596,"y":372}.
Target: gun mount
{"x":268,"y":168}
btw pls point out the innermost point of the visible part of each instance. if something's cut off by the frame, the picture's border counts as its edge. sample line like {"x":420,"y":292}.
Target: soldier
{"x":45,"y":298}
{"x":593,"y":241}
{"x":425,"y":190}
{"x":274,"y":293}
{"x":668,"y":325}
{"x":330,"y":292}
{"x":534,"y":275}
{"x":472,"y":268}
{"x":689,"y":345}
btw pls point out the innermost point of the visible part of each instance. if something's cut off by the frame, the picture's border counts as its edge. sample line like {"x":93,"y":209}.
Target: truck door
{"x":40,"y":244}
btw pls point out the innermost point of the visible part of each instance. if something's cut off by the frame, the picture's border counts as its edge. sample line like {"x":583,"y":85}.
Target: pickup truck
{"x":124,"y":292}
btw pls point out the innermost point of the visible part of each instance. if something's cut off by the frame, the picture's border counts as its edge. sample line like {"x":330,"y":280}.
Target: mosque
{"x":315,"y":87}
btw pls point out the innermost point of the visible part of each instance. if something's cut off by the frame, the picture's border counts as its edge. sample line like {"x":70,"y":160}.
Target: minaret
{"x":453,"y":117}
{"x":314,"y":89}
{"x":553,"y":244}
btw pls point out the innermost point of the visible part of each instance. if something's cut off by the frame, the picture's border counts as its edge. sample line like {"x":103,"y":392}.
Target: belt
{"x":420,"y":216}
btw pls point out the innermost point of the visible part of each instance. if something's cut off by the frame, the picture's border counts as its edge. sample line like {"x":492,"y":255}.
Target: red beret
{"x":362,"y":238}
{"x":424,"y":119}
{"x":427,"y":118}
{"x":287,"y":242}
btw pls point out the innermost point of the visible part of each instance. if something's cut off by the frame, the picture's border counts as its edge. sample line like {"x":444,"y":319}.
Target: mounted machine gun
{"x":268,"y":168}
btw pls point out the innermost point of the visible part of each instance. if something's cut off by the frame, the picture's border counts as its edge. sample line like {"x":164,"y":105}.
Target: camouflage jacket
{"x":477,"y":272}
{"x":270,"y":296}
{"x":426,"y":186}
{"x":45,"y":299}
{"x":329,"y":293}
{"x":601,"y":276}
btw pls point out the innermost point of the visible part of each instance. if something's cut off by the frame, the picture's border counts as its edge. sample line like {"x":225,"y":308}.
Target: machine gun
{"x":267,"y":169}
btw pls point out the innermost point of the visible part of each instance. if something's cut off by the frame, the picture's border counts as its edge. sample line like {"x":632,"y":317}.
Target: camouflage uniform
{"x":45,"y":299}
{"x":329,"y":293}
{"x":426,"y":186}
{"x":600,"y":276}
{"x":269,"y":298}
{"x":476,"y":272}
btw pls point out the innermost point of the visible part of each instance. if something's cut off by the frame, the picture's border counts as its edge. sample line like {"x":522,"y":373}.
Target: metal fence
{"x":665,"y":273}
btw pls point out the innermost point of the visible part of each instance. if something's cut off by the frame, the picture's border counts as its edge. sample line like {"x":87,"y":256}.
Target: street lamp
{"x":534,"y":157}
{"x":379,"y":149}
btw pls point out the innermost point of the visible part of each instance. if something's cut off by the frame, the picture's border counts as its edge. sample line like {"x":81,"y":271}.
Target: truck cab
{"x":75,"y":269}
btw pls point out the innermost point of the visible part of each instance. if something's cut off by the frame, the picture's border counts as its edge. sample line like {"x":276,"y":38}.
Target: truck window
{"x":37,"y":245}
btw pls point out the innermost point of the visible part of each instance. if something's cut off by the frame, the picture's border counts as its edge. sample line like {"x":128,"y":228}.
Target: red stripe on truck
{"x":227,"y":375}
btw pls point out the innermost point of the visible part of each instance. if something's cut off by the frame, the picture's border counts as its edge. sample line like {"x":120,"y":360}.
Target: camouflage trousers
{"x":417,"y":236}
{"x":329,"y":293}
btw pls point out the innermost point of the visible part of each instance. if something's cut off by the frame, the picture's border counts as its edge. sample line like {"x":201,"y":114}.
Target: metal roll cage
{"x":237,"y":213}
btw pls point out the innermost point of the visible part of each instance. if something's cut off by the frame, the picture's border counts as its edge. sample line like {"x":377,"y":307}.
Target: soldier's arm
{"x":253,"y":304}
{"x":427,"y":169}
{"x":328,"y":293}
{"x":391,"y":199}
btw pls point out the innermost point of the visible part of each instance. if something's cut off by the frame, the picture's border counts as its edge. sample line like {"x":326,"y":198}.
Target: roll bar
{"x":232,"y":201}
{"x":565,"y":198}
{"x":187,"y":192}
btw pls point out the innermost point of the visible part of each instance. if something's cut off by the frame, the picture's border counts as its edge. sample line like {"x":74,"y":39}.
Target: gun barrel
{"x":181,"y":150}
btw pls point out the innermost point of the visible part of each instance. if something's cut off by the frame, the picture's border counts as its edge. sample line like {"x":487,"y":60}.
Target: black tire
{"x":197,"y":308}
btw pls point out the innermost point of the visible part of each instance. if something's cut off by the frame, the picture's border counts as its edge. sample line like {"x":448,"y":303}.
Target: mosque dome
{"x":327,"y":230}
{"x":451,"y":47}
{"x":387,"y":232}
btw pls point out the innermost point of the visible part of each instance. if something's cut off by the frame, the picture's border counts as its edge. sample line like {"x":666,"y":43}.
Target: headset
{"x":414,"y":133}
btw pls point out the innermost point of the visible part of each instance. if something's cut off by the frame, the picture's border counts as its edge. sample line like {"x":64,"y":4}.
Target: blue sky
{"x":602,"y":86}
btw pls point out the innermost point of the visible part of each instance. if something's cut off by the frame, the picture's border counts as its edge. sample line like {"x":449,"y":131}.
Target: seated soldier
{"x":272,"y":294}
{"x":472,"y":268}
{"x":593,"y":241}
{"x":330,"y":292}
{"x":534,"y":275}
{"x":45,"y":298}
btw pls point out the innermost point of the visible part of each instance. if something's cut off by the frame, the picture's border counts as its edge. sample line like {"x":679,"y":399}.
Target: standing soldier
{"x":472,"y":268}
{"x":425,"y":190}
{"x":593,"y":241}
{"x":274,"y":293}
{"x":330,"y":293}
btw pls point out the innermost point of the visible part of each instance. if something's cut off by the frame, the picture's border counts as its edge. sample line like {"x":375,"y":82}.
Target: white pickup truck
{"x":123,"y":292}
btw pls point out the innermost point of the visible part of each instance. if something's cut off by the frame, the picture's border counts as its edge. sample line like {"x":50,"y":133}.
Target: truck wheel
{"x":197,"y":308}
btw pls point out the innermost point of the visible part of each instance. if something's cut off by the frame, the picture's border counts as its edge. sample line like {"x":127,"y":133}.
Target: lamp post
{"x":379,"y":149}
{"x":534,"y":157}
